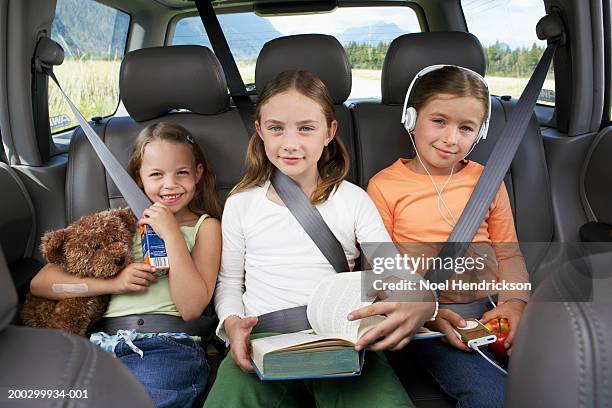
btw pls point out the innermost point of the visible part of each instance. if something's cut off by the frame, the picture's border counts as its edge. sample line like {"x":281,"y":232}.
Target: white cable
{"x":492,"y":302}
{"x":451,"y":224}
{"x":438,"y":191}
{"x":488,"y":359}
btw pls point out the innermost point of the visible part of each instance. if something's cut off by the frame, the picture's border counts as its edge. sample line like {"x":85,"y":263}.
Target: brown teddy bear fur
{"x":94,"y":246}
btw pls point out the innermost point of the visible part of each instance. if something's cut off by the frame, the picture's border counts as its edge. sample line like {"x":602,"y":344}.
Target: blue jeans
{"x":465,"y":376}
{"x":173,"y":371}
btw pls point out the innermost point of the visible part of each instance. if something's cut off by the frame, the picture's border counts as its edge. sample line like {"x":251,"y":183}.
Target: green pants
{"x":377,"y":386}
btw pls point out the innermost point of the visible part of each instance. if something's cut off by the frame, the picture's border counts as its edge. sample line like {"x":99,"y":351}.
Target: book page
{"x":331,"y":302}
{"x":287,"y":341}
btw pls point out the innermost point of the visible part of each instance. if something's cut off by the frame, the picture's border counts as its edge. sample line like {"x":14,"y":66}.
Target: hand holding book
{"x":404,"y":322}
{"x":331,"y":350}
{"x":238,"y":331}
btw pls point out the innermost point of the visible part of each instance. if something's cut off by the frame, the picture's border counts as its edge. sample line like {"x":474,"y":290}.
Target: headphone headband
{"x":409,"y":113}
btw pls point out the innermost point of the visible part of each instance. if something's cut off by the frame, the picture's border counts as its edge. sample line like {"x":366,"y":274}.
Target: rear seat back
{"x":597,"y":179}
{"x":53,"y":359}
{"x":324,"y":56}
{"x":155,"y":83}
{"x":381,"y":139}
{"x":17,"y":229}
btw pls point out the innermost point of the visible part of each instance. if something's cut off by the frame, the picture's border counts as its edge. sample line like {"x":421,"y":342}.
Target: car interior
{"x":559,"y":179}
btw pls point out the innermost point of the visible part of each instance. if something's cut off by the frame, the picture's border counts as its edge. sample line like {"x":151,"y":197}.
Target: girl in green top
{"x":171,"y":169}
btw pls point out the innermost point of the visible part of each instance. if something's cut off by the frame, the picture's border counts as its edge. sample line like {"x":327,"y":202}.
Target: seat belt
{"x":236,"y":86}
{"x":310,"y":219}
{"x":295,"y":318}
{"x":50,"y":53}
{"x":495,"y":168}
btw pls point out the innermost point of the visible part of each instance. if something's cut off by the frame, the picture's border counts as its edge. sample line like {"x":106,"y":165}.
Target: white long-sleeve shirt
{"x":268,"y":261}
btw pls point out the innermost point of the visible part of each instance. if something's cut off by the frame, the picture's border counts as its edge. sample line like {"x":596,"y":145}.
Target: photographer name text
{"x":459,"y":285}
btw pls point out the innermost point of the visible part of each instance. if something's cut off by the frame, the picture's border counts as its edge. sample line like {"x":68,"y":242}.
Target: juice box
{"x":154,"y":250}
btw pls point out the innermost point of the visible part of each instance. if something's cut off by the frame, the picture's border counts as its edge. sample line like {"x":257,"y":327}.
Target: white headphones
{"x":409,"y":114}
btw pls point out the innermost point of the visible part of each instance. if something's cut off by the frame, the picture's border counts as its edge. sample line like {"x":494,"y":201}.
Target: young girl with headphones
{"x":446,"y":112}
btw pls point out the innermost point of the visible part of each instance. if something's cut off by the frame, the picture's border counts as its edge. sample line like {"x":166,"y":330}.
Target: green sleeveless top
{"x":156,"y":299}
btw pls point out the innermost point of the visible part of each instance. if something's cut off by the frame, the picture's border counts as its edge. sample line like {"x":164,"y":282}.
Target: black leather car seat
{"x":561,"y":356}
{"x":596,"y":192}
{"x":42,"y":359}
{"x":17,"y":230}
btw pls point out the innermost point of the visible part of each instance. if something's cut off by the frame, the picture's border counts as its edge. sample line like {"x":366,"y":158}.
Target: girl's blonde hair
{"x":452,"y":81}
{"x":333,"y":166}
{"x":205,"y":199}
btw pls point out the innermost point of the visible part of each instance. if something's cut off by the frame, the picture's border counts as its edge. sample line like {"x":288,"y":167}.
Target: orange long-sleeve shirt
{"x":408,"y":205}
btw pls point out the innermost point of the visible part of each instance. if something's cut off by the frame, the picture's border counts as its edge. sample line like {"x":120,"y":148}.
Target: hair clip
{"x":190,"y":139}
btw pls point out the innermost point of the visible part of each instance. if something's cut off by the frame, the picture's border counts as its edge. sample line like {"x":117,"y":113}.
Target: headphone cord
{"x":438,"y":191}
{"x":473,"y":347}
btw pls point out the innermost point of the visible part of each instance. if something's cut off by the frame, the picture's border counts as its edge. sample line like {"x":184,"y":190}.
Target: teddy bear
{"x":94,"y":246}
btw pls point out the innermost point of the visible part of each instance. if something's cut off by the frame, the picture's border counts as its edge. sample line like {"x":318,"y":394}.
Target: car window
{"x":506,"y":29}
{"x":365,"y":33}
{"x":94,"y":38}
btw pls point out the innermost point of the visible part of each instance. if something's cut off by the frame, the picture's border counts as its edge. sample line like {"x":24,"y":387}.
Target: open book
{"x":327,"y":350}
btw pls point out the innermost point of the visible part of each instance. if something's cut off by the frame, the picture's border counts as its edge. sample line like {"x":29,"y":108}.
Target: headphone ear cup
{"x":411,"y":117}
{"x":482,"y":132}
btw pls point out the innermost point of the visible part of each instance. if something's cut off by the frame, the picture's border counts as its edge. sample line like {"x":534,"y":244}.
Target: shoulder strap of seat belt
{"x":295,"y":319}
{"x":310,"y":219}
{"x":236,"y":86}
{"x":134,"y":196}
{"x":495,"y":169}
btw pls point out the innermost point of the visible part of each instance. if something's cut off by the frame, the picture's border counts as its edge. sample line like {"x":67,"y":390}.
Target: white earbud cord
{"x":438,"y":191}
{"x":488,"y":359}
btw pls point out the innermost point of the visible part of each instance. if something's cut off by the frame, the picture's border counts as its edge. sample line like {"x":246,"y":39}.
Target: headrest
{"x":410,"y":53}
{"x":8,"y":296}
{"x":154,"y":81}
{"x":321,"y":54}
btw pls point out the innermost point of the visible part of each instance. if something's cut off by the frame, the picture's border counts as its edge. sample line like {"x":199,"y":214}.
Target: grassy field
{"x":94,"y":88}
{"x":247,"y":71}
{"x":497,"y":85}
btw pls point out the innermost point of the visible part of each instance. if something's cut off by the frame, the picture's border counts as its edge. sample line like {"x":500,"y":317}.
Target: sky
{"x":341,"y":19}
{"x":509,"y":21}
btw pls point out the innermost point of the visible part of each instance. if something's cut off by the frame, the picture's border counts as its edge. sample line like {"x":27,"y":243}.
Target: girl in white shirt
{"x":269,"y":263}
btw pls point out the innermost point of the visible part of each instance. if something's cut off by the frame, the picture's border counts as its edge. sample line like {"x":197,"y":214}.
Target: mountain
{"x":371,"y":34}
{"x":245,"y":44}
{"x":96,"y":30}
{"x":93,"y":31}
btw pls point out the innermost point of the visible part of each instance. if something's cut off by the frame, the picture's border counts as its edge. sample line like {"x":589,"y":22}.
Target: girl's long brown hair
{"x":205,"y":199}
{"x":333,"y":166}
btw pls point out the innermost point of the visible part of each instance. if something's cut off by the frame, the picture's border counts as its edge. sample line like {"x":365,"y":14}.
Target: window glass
{"x":365,"y":33}
{"x":506,"y":29}
{"x":94,"y":38}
